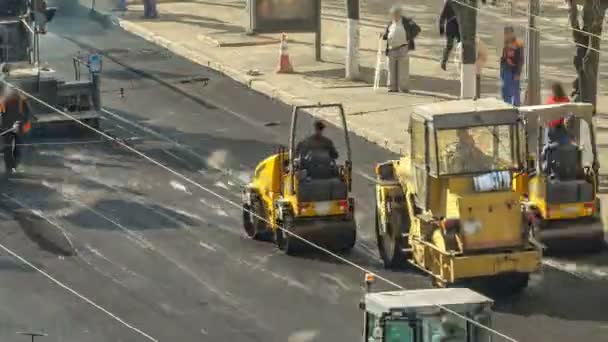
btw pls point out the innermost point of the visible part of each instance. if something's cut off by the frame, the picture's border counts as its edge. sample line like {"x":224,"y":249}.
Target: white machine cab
{"x":426,"y":316}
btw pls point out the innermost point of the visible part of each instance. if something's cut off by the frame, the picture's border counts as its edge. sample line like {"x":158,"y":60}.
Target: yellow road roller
{"x":302,"y":193}
{"x":448,"y":207}
{"x":559,"y":186}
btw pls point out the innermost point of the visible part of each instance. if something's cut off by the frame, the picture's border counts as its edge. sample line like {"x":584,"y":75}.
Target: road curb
{"x":45,"y":233}
{"x":253,"y":83}
{"x":105,"y":18}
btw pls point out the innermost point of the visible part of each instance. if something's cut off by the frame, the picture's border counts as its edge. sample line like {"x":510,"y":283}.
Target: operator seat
{"x":319,"y":179}
{"x":318,"y":165}
{"x":566,"y":183}
{"x":564,"y":162}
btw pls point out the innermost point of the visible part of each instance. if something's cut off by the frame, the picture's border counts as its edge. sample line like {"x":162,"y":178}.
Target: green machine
{"x":426,"y":315}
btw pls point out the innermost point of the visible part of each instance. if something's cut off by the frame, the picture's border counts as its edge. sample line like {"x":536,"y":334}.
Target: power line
{"x":547,"y":19}
{"x":231,"y":202}
{"x":523,"y":25}
{"x":71,"y":290}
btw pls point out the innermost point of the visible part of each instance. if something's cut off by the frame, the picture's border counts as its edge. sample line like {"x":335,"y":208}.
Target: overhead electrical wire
{"x":235,"y":204}
{"x":518,"y":24}
{"x":567,"y":26}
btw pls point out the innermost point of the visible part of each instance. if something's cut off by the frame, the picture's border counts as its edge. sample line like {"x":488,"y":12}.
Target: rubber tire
{"x":571,"y":246}
{"x":596,"y":244}
{"x":92,"y":122}
{"x":286,"y":243}
{"x":256,"y":228}
{"x":348,"y":245}
{"x":391,"y":250}
{"x":511,"y":285}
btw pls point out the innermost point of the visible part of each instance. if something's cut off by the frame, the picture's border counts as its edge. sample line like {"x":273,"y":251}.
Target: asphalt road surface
{"x":161,"y":259}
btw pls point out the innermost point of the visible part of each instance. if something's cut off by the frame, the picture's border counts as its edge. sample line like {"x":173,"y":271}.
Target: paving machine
{"x":20,"y":60}
{"x":448,"y":207}
{"x":559,"y":194}
{"x":426,"y":316}
{"x":309,"y":196}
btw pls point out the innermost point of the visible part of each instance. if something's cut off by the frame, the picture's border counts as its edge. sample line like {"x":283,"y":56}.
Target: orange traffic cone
{"x":284,"y":63}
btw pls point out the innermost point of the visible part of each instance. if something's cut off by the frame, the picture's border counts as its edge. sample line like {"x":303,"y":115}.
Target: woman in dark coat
{"x":448,"y":25}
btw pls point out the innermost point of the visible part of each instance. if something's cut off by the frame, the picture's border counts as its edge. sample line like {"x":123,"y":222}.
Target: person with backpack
{"x":399,"y":35}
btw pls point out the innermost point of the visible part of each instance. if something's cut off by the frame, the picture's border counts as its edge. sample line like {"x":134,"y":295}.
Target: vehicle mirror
{"x":50,"y":14}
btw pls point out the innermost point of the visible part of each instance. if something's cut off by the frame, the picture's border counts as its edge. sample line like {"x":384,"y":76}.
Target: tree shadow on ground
{"x":418,"y":83}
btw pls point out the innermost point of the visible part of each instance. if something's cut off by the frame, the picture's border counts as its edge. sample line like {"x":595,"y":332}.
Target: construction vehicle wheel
{"x":349,"y":243}
{"x":255,"y":227}
{"x":509,"y":284}
{"x":92,"y":122}
{"x":595,"y":244}
{"x":287,"y":243}
{"x":391,"y":245}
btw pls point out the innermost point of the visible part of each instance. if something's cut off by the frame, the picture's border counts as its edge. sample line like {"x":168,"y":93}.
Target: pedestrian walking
{"x":448,"y":26}
{"x":399,"y":35}
{"x":40,"y":15}
{"x":558,"y":95}
{"x":150,"y":11}
{"x":511,"y":63}
{"x":15,"y":114}
{"x":582,"y":40}
{"x":480,"y":62}
{"x":122,"y":5}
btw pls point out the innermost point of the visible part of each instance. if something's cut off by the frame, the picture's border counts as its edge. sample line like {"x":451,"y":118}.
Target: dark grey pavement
{"x":170,"y":259}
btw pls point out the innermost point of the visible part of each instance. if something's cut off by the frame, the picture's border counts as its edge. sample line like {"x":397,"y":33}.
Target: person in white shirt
{"x":480,"y":62}
{"x":398,"y":46}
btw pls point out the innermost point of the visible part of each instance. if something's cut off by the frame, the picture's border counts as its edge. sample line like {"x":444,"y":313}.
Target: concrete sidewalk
{"x":212,"y":33}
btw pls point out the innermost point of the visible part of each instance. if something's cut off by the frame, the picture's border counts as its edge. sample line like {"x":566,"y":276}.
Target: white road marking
{"x":336,"y":280}
{"x":207,"y":246}
{"x":579,"y":270}
{"x":304,"y":336}
{"x":180,"y":187}
{"x":366,"y":176}
{"x":221,"y":185}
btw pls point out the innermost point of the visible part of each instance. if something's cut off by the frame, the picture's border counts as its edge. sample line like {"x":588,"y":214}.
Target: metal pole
{"x":533,"y":52}
{"x":97,"y":91}
{"x":352,"y":46}
{"x":467,"y":21}
{"x":318,"y":32}
{"x":251,"y":6}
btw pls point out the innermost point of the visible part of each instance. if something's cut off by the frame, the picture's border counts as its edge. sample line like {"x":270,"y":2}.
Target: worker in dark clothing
{"x":448,"y":25}
{"x":582,"y":41}
{"x":317,"y":142}
{"x":558,"y":135}
{"x":16,"y":120}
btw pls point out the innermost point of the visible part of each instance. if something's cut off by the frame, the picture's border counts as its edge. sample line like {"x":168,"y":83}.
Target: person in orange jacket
{"x":558,"y":94}
{"x":15,"y":114}
{"x":511,"y":64}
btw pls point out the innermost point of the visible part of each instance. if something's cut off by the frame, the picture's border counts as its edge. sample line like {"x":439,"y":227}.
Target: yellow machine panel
{"x":460,"y":215}
{"x":491,"y":221}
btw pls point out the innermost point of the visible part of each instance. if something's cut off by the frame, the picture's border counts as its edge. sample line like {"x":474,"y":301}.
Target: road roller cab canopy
{"x":465,"y":137}
{"x":420,"y":316}
{"x":538,"y":119}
